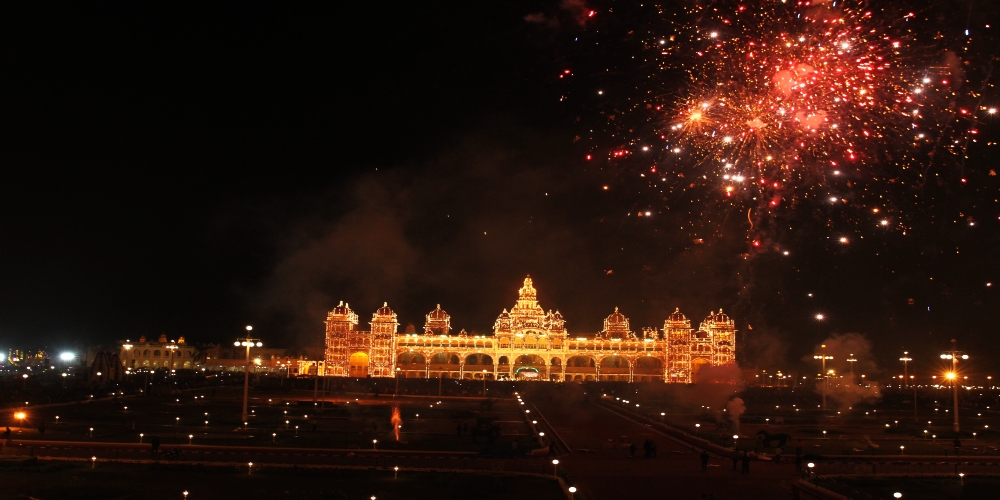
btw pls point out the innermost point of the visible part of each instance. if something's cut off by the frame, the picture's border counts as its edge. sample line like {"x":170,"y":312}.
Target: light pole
{"x":484,"y":383}
{"x":172,"y":347}
{"x":248,"y":343}
{"x":128,"y":350}
{"x":555,"y":466}
{"x":823,"y":358}
{"x":905,"y":359}
{"x":953,"y":355}
{"x":852,"y":360}
{"x":397,"y":382}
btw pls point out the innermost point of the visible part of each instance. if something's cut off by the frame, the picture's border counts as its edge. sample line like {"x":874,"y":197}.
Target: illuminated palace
{"x":527,"y":343}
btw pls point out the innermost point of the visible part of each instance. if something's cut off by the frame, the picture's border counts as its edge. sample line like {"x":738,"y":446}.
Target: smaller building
{"x":179,"y":354}
{"x":161,"y":353}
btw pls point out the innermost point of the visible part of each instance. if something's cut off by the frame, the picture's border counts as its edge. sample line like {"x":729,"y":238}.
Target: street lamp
{"x":905,"y":359}
{"x":823,"y":358}
{"x":954,"y":355}
{"x":128,"y":350}
{"x":851,"y":360}
{"x":172,"y":348}
{"x":248,"y":343}
{"x":572,"y":492}
{"x":374,"y":444}
{"x":397,"y":381}
{"x":555,"y":466}
{"x":484,"y":383}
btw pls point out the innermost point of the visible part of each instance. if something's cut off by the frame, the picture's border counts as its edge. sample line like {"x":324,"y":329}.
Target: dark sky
{"x":192,"y":169}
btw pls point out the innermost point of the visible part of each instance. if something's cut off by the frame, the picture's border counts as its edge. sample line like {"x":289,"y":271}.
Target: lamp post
{"x":852,"y":360}
{"x":555,"y":466}
{"x":248,"y":343}
{"x":823,"y":358}
{"x":953,"y":356}
{"x":172,"y":347}
{"x":397,"y":382}
{"x":905,"y":359}
{"x":484,"y":383}
{"x":128,"y":350}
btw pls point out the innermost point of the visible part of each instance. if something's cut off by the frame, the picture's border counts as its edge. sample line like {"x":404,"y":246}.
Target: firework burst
{"x":769,"y":106}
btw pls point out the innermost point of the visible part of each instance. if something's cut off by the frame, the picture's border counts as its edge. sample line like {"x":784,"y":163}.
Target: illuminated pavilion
{"x":527,"y":343}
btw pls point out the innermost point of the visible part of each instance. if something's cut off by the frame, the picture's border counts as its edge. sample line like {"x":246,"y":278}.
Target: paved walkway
{"x":601,"y":468}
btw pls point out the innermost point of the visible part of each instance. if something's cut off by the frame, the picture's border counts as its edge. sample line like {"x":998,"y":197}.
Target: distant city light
{"x":67,"y":356}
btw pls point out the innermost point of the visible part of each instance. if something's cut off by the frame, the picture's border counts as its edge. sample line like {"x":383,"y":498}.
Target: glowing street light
{"x":852,"y":360}
{"x":555,"y":466}
{"x":128,"y":350}
{"x":572,"y":492}
{"x":172,"y":348}
{"x":374,"y":444}
{"x":905,"y":359}
{"x":248,"y":343}
{"x":954,"y":355}
{"x":823,"y":358}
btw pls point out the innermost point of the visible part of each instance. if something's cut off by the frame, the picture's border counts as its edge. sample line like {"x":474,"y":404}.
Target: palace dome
{"x":617,"y":318}
{"x":677,"y":315}
{"x":437,"y":314}
{"x":718,"y":317}
{"x":384,"y":310}
{"x":342,"y":309}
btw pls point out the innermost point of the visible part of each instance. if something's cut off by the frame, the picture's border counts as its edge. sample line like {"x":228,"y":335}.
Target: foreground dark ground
{"x":77,"y":481}
{"x":592,"y":426}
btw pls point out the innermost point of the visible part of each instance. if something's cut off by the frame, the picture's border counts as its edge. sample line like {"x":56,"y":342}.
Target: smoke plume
{"x":735,"y":408}
{"x":841,"y":388}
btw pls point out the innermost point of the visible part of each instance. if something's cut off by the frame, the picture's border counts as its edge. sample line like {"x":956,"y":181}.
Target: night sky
{"x":193,"y":169}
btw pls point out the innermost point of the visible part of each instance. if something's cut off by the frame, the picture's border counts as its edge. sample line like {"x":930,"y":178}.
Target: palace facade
{"x":527,"y":343}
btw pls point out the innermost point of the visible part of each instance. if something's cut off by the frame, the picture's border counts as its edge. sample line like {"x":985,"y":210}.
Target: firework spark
{"x":782,"y":103}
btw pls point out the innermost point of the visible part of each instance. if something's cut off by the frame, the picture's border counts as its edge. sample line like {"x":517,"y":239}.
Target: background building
{"x":527,"y":343}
